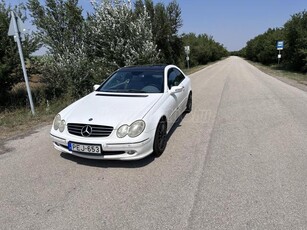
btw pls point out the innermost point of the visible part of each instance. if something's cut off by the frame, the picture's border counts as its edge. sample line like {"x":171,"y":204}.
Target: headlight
{"x":122,"y":131}
{"x":136,"y":128}
{"x":62,"y":125}
{"x":56,"y":122}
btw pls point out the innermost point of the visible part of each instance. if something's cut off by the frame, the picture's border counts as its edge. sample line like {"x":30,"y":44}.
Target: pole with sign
{"x":187,"y":52}
{"x":18,"y":30}
{"x":279,"y":46}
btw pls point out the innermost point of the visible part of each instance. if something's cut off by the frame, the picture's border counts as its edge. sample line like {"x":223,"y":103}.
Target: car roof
{"x":143,"y":68}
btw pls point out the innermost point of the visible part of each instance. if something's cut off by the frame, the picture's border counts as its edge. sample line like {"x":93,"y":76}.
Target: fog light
{"x":131,"y":152}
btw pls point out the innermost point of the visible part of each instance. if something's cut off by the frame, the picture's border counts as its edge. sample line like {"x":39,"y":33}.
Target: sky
{"x":230,"y":22}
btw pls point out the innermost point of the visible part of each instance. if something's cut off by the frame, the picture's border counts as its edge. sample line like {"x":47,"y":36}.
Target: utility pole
{"x":18,"y":30}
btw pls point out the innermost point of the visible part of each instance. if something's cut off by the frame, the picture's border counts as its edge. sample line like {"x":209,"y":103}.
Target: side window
{"x":175,"y":77}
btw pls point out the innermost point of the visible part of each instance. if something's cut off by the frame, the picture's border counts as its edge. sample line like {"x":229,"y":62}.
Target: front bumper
{"x":112,"y":149}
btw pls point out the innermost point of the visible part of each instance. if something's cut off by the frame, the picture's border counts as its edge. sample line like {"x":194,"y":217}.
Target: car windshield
{"x":147,"y":81}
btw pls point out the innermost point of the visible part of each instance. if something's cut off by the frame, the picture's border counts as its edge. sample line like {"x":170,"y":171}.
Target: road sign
{"x":187,"y":50}
{"x":279,"y":56}
{"x":18,"y":30}
{"x":20,"y":27}
{"x":280,"y":45}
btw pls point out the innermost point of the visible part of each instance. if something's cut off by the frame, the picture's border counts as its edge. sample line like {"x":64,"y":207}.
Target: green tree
{"x":203,"y":48}
{"x":296,"y":42}
{"x":166,"y":21}
{"x":262,"y":48}
{"x":81,"y":51}
{"x":121,"y":36}
{"x":62,"y":29}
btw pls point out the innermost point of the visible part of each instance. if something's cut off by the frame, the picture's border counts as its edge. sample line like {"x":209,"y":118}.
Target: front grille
{"x":86,"y":130}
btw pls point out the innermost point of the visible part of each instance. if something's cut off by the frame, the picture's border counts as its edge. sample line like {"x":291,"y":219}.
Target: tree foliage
{"x":262,"y":48}
{"x":166,"y":21}
{"x":61,"y":28}
{"x":295,"y":31}
{"x":203,"y":48}
{"x":119,"y":36}
{"x":83,"y":50}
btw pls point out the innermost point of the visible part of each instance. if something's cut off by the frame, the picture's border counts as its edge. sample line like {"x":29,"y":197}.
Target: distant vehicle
{"x":127,"y":117}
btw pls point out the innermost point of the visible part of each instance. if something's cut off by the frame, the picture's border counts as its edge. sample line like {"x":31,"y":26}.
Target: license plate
{"x":84,"y":148}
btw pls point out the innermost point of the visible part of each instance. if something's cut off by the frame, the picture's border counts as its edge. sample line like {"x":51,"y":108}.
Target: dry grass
{"x":275,"y":71}
{"x":194,"y":69}
{"x":18,"y":121}
{"x":199,"y":67}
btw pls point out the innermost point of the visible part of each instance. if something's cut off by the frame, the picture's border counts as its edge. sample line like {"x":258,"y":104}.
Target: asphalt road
{"x":238,"y":161}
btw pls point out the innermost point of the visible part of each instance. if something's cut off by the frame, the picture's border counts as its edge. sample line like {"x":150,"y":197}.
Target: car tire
{"x":160,"y":138}
{"x":189,"y":104}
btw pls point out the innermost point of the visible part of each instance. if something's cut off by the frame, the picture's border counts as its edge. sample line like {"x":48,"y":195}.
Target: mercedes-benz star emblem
{"x":86,"y":131}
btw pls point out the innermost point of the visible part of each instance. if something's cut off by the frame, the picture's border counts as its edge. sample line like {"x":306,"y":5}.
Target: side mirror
{"x":95,"y":87}
{"x":176,"y":89}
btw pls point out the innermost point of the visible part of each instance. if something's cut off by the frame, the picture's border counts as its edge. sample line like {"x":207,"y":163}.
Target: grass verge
{"x":275,"y":71}
{"x":17,"y":121}
{"x":200,"y":67}
{"x":193,"y":69}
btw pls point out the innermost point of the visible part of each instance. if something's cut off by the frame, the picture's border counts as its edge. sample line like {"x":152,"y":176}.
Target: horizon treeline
{"x":263,"y":48}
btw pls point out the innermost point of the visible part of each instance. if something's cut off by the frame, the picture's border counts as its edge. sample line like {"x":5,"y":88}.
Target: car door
{"x":176,"y":78}
{"x":183,"y":82}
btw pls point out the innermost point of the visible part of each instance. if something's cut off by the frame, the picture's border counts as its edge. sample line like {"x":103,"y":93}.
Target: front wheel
{"x":160,"y":139}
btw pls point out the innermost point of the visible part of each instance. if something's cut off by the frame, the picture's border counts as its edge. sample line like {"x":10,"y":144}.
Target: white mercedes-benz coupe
{"x":127,"y":117}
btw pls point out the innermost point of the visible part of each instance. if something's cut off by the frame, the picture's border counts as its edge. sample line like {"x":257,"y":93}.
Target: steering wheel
{"x":152,"y":88}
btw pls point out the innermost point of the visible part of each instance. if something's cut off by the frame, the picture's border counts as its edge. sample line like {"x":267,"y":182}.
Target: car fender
{"x":158,"y":111}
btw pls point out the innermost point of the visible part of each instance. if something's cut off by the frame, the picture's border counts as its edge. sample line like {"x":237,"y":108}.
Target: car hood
{"x":110,"y":109}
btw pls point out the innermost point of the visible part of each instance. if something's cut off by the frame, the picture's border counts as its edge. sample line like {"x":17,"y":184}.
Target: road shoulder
{"x":297,"y":83}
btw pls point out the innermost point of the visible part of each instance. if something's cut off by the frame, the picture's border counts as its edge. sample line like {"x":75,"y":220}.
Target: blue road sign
{"x":280,"y":45}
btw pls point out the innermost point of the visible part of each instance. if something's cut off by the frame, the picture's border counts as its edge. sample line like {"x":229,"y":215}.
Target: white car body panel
{"x":117,"y":109}
{"x":112,"y":109}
